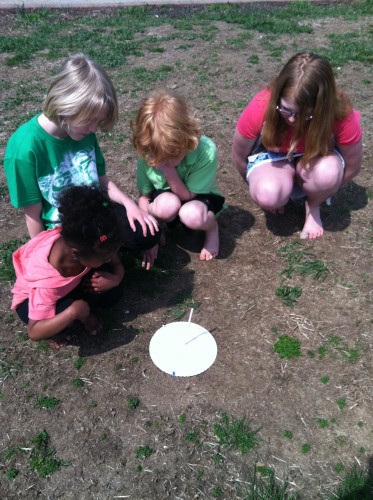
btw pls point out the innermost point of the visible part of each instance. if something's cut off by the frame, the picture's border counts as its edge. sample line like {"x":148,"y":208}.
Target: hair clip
{"x":103,"y":238}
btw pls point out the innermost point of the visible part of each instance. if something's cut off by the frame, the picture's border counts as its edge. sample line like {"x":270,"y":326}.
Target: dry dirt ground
{"x":323,"y":397}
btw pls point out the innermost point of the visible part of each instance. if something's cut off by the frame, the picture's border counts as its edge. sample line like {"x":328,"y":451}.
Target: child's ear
{"x":74,"y":254}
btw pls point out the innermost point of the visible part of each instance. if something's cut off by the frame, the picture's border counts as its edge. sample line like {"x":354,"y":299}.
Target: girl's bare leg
{"x":320,"y":181}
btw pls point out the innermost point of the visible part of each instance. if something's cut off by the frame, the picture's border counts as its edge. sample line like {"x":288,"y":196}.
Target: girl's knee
{"x":270,"y":195}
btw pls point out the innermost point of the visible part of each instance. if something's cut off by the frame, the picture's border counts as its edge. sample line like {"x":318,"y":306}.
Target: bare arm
{"x":102,"y":281}
{"x":241,"y":149}
{"x":134,"y":213}
{"x":47,"y":328}
{"x":176,"y":184}
{"x":33,"y":219}
{"x":353,"y":157}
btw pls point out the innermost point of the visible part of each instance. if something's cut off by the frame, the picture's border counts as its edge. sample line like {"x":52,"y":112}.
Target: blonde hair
{"x":165,"y":127}
{"x":79,"y":91}
{"x":307,"y":79}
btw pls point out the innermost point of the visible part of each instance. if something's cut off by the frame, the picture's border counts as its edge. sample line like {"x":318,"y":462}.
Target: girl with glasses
{"x":300,"y":137}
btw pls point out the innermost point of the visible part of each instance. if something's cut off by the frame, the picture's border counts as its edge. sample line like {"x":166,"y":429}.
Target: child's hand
{"x":101,"y":281}
{"x":147,"y":221}
{"x":149,"y":256}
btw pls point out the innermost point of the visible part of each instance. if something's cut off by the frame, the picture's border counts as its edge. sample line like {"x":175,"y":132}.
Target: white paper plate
{"x":183,"y":349}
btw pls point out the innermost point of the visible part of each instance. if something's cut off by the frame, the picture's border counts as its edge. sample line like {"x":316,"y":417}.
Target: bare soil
{"x":93,"y":427}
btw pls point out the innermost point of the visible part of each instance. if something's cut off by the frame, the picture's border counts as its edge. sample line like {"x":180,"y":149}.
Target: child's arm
{"x":102,"y":281}
{"x":33,"y":219}
{"x":144,"y":201}
{"x":176,"y":184}
{"x":133,"y":211}
{"x":241,"y":149}
{"x":46,"y":328}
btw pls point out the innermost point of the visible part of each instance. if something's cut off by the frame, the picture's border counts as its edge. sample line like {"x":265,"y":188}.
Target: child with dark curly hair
{"x":64,"y":272}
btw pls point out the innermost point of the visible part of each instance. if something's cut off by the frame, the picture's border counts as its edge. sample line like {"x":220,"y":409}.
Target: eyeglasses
{"x":288,"y":114}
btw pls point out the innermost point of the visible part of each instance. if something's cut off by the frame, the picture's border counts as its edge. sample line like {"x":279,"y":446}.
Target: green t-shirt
{"x":197,"y":170}
{"x":39,"y":166}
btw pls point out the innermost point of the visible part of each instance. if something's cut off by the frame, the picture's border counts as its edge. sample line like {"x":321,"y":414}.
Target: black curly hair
{"x":89,"y":220}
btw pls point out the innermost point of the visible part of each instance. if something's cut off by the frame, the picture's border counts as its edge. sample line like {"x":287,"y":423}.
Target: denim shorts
{"x":258,"y":159}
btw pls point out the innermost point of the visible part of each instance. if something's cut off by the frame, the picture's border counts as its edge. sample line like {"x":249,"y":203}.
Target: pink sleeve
{"x":250,"y":123}
{"x":348,"y":131}
{"x":42,"y":304}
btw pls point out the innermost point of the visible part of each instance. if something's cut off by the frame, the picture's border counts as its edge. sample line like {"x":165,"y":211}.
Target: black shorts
{"x":213,"y":202}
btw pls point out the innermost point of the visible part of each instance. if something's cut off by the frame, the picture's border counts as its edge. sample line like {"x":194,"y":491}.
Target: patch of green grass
{"x":134,"y":360}
{"x":193,"y":437}
{"x":42,"y":345}
{"x":339,"y":468}
{"x":47,"y":402}
{"x":263,"y":485}
{"x":78,"y":383}
{"x":341,"y":403}
{"x":288,"y":294}
{"x":6,"y":263}
{"x":305,"y":448}
{"x":301,"y":261}
{"x":323,"y":423}
{"x":325,"y":380}
{"x":288,"y":434}
{"x":264,"y":471}
{"x":144,"y":452}
{"x":42,"y":458}
{"x":181,"y":302}
{"x":9,"y":369}
{"x":133,"y":402}
{"x":182,"y":419}
{"x":287,"y":347}
{"x":217,"y":492}
{"x":356,"y":485}
{"x":78,"y":363}
{"x":236,"y":433}
{"x":12,"y":473}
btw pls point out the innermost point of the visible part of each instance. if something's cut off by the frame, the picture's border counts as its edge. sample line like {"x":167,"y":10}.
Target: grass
{"x":287,"y":347}
{"x":6,"y":263}
{"x":42,"y":457}
{"x":356,"y":485}
{"x":47,"y":402}
{"x":236,"y":433}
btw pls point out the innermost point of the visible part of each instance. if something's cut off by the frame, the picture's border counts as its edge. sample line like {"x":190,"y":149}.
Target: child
{"x":299,"y":137}
{"x":176,"y":169}
{"x":58,"y":148}
{"x":52,"y":288}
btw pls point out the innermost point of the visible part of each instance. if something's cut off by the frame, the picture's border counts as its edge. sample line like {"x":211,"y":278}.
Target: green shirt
{"x":197,"y":170}
{"x":38,"y":166}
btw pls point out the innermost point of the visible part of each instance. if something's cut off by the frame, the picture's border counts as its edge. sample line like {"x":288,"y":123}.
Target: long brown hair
{"x":308,"y":80}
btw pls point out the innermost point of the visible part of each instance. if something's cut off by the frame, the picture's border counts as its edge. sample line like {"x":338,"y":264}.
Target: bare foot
{"x":211,"y":245}
{"x":53,"y":343}
{"x":313,"y":225}
{"x":93,"y":324}
{"x":59,"y":340}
